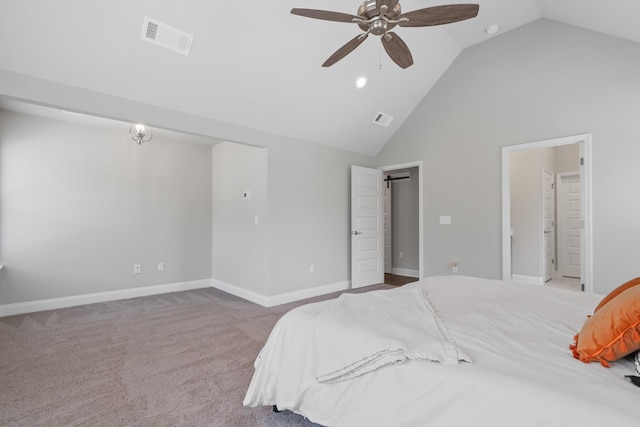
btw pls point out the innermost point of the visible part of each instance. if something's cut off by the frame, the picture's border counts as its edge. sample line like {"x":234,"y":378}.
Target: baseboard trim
{"x":531,"y":280}
{"x":307,"y":293}
{"x":64,"y":302}
{"x":405,"y":272}
{"x":243,"y":293}
{"x":272,"y":301}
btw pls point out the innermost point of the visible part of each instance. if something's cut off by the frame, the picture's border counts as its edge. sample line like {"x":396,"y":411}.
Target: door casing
{"x":586,"y":264}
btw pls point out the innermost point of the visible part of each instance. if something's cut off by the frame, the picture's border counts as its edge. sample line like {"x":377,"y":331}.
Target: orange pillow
{"x":612,"y":332}
{"x":617,"y":291}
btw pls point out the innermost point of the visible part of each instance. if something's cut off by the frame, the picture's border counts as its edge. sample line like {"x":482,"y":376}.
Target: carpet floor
{"x":178,"y":359}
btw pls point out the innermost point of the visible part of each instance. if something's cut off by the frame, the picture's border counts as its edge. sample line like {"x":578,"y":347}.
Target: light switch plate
{"x":445,"y":219}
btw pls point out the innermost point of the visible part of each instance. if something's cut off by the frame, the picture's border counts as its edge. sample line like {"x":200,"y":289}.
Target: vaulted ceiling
{"x":255,"y":65}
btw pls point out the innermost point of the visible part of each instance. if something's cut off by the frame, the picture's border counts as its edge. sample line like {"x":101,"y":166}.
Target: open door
{"x":367,"y":256}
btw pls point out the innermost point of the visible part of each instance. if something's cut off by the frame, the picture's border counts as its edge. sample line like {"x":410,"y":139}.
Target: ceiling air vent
{"x":166,"y":36}
{"x":382,"y":119}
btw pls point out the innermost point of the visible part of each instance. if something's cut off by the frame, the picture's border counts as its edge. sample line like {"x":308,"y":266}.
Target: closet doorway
{"x":402,"y":190}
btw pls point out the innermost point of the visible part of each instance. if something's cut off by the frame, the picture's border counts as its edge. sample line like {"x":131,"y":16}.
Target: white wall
{"x":79,"y":205}
{"x":540,"y":81}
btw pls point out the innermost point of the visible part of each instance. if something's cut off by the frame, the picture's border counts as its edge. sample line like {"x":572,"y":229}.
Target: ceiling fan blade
{"x":345,"y":50}
{"x":327,"y":15}
{"x":397,"y":50}
{"x":439,"y":15}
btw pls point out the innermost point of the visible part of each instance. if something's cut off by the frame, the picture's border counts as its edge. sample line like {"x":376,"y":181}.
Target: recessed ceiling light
{"x":492,"y":29}
{"x":361,"y":82}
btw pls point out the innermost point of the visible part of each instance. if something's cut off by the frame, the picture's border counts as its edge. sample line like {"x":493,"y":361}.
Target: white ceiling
{"x":254,"y":64}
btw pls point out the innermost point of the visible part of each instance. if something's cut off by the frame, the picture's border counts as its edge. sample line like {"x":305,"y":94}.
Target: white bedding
{"x":360,"y":333}
{"x":523,"y":373}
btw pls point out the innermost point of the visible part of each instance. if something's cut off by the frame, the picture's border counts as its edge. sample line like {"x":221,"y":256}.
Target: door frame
{"x":419,"y":165}
{"x":586,"y":262}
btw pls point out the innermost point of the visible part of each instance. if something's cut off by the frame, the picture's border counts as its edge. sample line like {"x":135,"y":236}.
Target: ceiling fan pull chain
{"x":380,"y":56}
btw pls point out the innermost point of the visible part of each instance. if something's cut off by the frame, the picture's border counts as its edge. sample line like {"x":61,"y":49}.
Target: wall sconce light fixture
{"x":140,"y":133}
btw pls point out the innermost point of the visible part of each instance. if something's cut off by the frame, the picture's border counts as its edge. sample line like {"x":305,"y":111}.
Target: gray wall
{"x":79,"y":205}
{"x":240,"y":246}
{"x":541,"y":81}
{"x":308,"y":188}
{"x":305,"y":219}
{"x":309,"y":205}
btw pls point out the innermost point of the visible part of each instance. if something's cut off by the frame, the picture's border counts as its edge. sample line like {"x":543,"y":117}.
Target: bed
{"x":514,"y":366}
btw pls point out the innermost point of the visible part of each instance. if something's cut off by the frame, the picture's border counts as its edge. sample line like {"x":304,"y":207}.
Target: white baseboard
{"x":265,"y":301}
{"x":531,"y":280}
{"x":243,"y":293}
{"x":271,"y":301}
{"x":64,"y":302}
{"x":306,"y":293}
{"x":405,"y":272}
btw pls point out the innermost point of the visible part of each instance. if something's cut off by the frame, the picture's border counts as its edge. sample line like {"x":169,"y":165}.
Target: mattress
{"x":522,"y":371}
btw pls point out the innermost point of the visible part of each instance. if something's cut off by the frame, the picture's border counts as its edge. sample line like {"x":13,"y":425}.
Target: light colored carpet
{"x":184,"y":358}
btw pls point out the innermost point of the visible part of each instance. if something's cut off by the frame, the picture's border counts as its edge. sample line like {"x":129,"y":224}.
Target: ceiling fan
{"x":379,"y":17}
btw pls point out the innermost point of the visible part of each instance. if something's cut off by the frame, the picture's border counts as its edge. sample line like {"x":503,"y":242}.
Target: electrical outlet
{"x":312,"y":269}
{"x":160,"y":266}
{"x":137,"y":269}
{"x":454,"y":267}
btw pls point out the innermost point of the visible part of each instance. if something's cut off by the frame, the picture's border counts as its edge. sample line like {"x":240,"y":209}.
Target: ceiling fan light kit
{"x":379,"y":17}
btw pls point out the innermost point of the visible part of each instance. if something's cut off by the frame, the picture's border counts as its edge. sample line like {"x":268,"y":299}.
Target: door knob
{"x":355,"y":233}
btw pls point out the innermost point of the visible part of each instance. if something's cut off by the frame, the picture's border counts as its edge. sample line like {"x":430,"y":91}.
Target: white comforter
{"x":523,"y":373}
{"x":359,"y":333}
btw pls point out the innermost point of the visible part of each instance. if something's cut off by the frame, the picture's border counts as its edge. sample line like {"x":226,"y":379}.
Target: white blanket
{"x":360,"y":333}
{"x":523,"y":373}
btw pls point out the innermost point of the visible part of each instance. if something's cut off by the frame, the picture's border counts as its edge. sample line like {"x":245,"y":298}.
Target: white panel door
{"x":569,"y":225}
{"x":388,"y":236}
{"x":549,"y":222}
{"x":367,"y":257}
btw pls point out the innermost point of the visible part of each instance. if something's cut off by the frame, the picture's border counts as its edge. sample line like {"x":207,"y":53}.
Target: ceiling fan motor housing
{"x":368,"y":10}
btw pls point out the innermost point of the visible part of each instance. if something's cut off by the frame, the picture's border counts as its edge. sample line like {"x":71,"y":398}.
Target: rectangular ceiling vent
{"x":382,"y":119}
{"x":166,"y":36}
